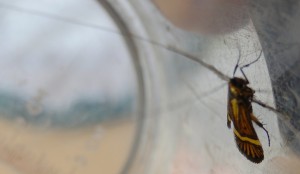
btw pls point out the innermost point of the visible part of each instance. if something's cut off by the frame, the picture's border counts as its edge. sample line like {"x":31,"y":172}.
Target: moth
{"x":239,"y":108}
{"x":240,"y":112}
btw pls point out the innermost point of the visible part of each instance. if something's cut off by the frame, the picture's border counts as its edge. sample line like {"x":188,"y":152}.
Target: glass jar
{"x":112,"y":86}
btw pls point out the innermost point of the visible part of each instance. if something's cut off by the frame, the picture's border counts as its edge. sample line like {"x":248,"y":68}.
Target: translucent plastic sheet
{"x":178,"y":103}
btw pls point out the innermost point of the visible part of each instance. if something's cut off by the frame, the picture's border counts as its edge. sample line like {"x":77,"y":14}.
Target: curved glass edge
{"x":126,"y":18}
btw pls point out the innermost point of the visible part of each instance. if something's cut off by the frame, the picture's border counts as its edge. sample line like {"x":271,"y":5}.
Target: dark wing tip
{"x":257,"y":160}
{"x":252,"y":152}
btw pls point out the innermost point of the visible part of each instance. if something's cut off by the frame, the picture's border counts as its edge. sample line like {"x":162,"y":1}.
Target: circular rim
{"x":125,"y":32}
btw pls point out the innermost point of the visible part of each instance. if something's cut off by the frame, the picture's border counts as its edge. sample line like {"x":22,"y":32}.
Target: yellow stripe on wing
{"x":235,"y":108}
{"x":250,"y":140}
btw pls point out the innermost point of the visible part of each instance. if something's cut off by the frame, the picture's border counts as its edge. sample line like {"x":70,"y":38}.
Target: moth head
{"x":239,"y":82}
{"x":238,"y":86}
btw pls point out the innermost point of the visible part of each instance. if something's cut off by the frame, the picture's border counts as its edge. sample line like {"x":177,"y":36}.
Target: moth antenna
{"x":244,"y":66}
{"x":241,"y":68}
{"x":237,"y":63}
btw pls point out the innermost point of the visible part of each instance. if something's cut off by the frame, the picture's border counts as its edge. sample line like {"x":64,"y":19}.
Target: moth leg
{"x":266,"y":106}
{"x":228,"y":121}
{"x":253,"y":118}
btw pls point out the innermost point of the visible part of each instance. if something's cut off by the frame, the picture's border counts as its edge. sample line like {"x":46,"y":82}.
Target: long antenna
{"x":249,"y":65}
{"x":237,"y":63}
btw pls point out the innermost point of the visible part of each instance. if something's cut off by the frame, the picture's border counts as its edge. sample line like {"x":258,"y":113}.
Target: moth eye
{"x":239,"y":85}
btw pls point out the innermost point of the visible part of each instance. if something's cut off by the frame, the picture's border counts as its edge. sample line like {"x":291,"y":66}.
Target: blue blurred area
{"x":80,"y":113}
{"x":81,"y":74}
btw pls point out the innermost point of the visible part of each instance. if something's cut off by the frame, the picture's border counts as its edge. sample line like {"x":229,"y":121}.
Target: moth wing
{"x":229,"y":113}
{"x":251,"y":151}
{"x":245,"y":135}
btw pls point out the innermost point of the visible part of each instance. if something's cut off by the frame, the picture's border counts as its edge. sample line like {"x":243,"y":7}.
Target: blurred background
{"x":67,"y":89}
{"x":91,"y":86}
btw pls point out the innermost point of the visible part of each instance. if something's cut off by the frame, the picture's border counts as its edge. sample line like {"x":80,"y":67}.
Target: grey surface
{"x":278,"y":27}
